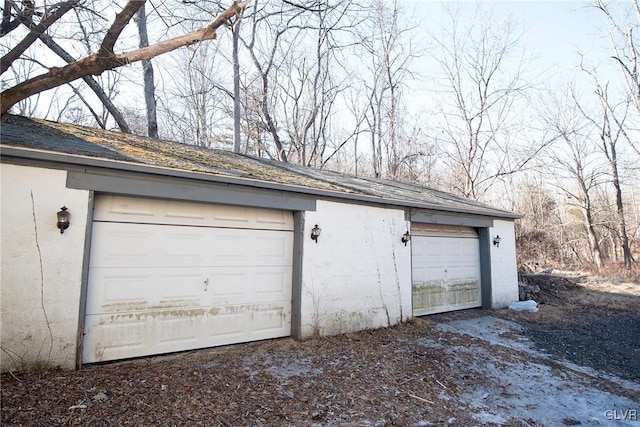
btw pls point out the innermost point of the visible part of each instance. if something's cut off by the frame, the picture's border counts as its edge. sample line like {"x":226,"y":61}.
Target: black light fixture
{"x":406,"y":237}
{"x":315,"y":233}
{"x":63,"y":219}
{"x":497,"y":240}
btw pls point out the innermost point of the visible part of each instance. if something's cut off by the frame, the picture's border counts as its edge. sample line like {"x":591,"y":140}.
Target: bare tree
{"x":106,"y":59}
{"x":539,"y":237}
{"x":24,"y":15}
{"x":308,"y":97}
{"x":264,"y":56}
{"x":196,"y":109}
{"x":577,"y":170}
{"x":610,"y":123}
{"x":484,"y":85}
{"x":623,"y":35}
{"x":386,"y":47}
{"x":51,"y":15}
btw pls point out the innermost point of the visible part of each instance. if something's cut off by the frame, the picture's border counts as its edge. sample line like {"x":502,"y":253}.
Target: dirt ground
{"x":575,"y":362}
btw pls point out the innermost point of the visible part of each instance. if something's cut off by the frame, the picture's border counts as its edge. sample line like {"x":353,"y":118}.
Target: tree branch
{"x":36,"y":30}
{"x":91,"y":82}
{"x":122,"y":19}
{"x":97,"y":63}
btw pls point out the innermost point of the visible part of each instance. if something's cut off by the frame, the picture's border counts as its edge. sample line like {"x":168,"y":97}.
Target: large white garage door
{"x":445,"y":268}
{"x":169,"y":276}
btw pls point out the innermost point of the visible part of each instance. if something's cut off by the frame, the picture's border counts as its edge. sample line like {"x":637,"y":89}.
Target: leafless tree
{"x":24,"y":14}
{"x":484,"y":86}
{"x":623,"y":29}
{"x":386,"y":46}
{"x":106,"y":59}
{"x":292,"y":49}
{"x":577,"y":170}
{"x":267,"y":26}
{"x":195,"y":109}
{"x":609,"y":121}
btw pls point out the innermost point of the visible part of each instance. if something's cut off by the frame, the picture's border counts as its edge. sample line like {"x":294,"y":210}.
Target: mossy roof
{"x":78,"y":140}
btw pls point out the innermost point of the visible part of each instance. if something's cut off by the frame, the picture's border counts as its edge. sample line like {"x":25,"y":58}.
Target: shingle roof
{"x":77,"y":140}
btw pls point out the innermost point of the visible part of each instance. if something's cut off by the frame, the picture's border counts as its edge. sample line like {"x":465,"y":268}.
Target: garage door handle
{"x":206,"y":284}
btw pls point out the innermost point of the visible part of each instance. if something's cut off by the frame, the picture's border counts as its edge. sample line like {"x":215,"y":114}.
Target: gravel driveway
{"x":467,"y":368}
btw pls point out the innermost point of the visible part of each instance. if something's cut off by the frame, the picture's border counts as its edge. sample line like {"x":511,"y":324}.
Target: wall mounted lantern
{"x":497,"y":240}
{"x":63,"y":219}
{"x":315,"y":233}
{"x":406,"y":237}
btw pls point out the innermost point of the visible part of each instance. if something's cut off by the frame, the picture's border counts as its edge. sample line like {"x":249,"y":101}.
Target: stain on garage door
{"x":168,"y":276}
{"x":445,"y":268}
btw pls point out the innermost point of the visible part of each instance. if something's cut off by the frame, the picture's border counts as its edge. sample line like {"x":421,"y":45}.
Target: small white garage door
{"x":445,"y":268}
{"x":169,"y":276}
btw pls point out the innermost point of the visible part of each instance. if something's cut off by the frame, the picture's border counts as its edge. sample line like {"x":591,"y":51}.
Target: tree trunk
{"x":236,"y":84}
{"x":622,"y":228}
{"x":147,"y":70}
{"x":594,"y":245}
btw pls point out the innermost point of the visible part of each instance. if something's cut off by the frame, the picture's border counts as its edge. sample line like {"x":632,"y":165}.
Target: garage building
{"x":172,"y":247}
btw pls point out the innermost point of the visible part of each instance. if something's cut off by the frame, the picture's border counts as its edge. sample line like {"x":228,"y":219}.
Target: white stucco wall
{"x":358,"y":275}
{"x":41,"y":271}
{"x":504,"y":270}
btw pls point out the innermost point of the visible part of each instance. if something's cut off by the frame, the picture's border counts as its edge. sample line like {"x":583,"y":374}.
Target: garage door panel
{"x":251,"y":247}
{"x":124,"y":208}
{"x":269,"y":249}
{"x":126,"y":290}
{"x":229,"y":326}
{"x":182,"y":288}
{"x":155,"y":211}
{"x":255,"y":284}
{"x":119,"y":291}
{"x":163,"y":287}
{"x":265,"y":217}
{"x":144,"y":245}
{"x":451,"y":248}
{"x":124,"y":335}
{"x":268,"y":319}
{"x":273,"y":284}
{"x":228,"y":286}
{"x":178,"y":330}
{"x":191,"y":213}
{"x":108,"y":338}
{"x":469,"y":248}
{"x":230,"y":247}
{"x":145,"y":288}
{"x":153,"y":246}
{"x":122,"y":247}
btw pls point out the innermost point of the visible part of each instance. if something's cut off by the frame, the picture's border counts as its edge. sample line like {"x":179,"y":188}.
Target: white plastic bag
{"x":529,"y":306}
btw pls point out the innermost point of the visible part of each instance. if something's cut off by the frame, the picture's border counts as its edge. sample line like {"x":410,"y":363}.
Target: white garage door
{"x":168,"y":276}
{"x":445,"y":268}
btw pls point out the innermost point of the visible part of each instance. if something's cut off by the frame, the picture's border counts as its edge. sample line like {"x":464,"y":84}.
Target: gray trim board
{"x":437,"y":218}
{"x":84,"y":282}
{"x":296,"y":282}
{"x":485,"y":267}
{"x":191,"y":190}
